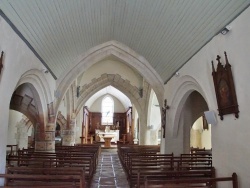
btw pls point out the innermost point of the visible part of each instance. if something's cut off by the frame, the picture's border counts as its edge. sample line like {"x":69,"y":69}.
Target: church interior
{"x":124,"y":93}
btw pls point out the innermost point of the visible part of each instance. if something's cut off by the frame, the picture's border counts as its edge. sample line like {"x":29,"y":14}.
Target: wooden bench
{"x":148,"y":161}
{"x":56,"y":162}
{"x":65,"y":156}
{"x":18,"y":180}
{"x":160,"y":175}
{"x":124,"y":151}
{"x":12,"y":149}
{"x":189,"y":182}
{"x":160,"y":164}
{"x":200,"y":150}
{"x":26,"y":176}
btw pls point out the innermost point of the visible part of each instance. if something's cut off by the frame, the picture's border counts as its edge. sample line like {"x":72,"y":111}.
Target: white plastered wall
{"x":18,"y":59}
{"x":154,"y":119}
{"x":230,"y":137}
{"x":110,"y":66}
{"x":14,"y":119}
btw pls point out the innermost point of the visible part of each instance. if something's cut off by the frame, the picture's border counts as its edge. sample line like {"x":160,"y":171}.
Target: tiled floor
{"x":109,"y":173}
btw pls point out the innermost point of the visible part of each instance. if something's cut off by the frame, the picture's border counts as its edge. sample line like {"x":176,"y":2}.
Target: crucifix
{"x":163,"y":120}
{"x":1,"y":62}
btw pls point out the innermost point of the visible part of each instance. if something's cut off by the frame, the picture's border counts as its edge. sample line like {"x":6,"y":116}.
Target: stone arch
{"x":193,"y":108}
{"x":40,"y":85}
{"x":23,"y":127}
{"x":61,"y":120}
{"x":185,"y":87}
{"x":35,"y":106}
{"x":115,"y":80}
{"x":100,"y":52}
{"x":23,"y":104}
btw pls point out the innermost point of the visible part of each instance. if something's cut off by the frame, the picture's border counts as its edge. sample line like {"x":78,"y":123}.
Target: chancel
{"x":100,"y":134}
{"x":124,"y":93}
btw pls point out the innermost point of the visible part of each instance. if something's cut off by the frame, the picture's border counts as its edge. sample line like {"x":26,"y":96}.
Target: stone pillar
{"x":45,"y":136}
{"x":144,"y":133}
{"x":45,"y":140}
{"x":40,"y":144}
{"x":68,"y":134}
{"x":50,"y":136}
{"x":22,"y":136}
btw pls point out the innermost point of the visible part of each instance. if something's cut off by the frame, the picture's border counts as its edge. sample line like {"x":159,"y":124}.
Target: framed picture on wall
{"x":224,"y":88}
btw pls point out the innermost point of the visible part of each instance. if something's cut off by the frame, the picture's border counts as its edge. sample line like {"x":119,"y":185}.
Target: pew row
{"x":165,"y":164}
{"x":147,"y":160}
{"x":65,"y":156}
{"x":150,"y":182}
{"x":39,"y":177}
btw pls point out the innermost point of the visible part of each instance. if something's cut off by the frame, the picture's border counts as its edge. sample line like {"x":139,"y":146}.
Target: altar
{"x":100,"y":135}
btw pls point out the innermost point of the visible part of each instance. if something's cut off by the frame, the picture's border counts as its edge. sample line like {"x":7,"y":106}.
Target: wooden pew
{"x":56,"y":162}
{"x":30,"y":180}
{"x":54,"y":177}
{"x":148,"y":160}
{"x":124,"y":151}
{"x":65,"y":156}
{"x":189,"y":182}
{"x":160,"y":164}
{"x":200,"y":150}
{"x":171,"y":174}
{"x":11,"y":151}
{"x":156,"y":163}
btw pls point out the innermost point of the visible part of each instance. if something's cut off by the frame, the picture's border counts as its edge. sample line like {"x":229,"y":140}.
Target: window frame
{"x":107,"y":119}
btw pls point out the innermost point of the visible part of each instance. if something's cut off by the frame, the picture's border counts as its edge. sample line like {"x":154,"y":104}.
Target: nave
{"x":109,"y":172}
{"x":91,"y":166}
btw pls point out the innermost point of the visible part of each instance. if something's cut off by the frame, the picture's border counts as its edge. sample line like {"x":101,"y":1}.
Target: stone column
{"x":50,"y":136}
{"x":22,"y":136}
{"x":45,"y":136}
{"x":144,"y":133}
{"x":45,"y":140}
{"x":68,"y":134}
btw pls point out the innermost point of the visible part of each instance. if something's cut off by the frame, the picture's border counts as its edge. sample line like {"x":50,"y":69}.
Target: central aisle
{"x":109,"y":173}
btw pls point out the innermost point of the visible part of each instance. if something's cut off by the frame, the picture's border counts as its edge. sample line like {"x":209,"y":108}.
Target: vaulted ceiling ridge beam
{"x":43,"y":38}
{"x":248,"y":4}
{"x":198,"y":36}
{"x":36,"y":38}
{"x":26,"y":42}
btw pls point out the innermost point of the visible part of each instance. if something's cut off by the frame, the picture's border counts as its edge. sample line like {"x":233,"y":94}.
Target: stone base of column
{"x":68,"y":138}
{"x":48,"y":144}
{"x":45,"y":146}
{"x":68,"y":135}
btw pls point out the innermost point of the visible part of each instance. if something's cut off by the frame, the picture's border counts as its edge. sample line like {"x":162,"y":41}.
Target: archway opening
{"x":154,"y":120}
{"x":20,"y":132}
{"x":109,"y":113}
{"x":194,"y":108}
{"x":26,"y":119}
{"x":200,"y":134}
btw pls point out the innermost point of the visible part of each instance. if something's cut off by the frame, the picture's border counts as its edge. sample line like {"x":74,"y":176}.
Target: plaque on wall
{"x":224,"y":89}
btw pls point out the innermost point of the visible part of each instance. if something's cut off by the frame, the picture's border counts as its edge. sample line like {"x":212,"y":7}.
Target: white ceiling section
{"x":166,"y":32}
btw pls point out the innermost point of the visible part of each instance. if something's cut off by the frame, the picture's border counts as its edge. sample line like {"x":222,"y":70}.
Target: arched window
{"x":107,"y":111}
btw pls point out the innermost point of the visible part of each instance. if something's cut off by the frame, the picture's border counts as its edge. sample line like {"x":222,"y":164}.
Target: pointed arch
{"x":185,"y":87}
{"x":41,"y":94}
{"x":37,"y":79}
{"x":124,"y":86}
{"x":102,"y":51}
